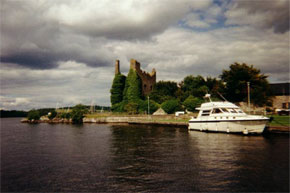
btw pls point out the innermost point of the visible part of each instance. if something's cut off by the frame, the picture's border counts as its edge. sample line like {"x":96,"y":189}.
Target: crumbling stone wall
{"x":148,"y":79}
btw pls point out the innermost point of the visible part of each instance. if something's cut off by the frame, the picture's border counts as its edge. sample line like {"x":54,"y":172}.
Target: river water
{"x":138,"y":158}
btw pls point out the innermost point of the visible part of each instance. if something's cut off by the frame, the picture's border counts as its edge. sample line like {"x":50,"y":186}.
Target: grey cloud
{"x":38,"y":34}
{"x":265,"y":14}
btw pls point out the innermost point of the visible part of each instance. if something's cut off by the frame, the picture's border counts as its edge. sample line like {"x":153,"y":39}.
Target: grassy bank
{"x":280,"y":121}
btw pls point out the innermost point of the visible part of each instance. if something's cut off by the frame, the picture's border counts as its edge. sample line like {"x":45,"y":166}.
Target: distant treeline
{"x":43,"y":111}
{"x":12,"y":113}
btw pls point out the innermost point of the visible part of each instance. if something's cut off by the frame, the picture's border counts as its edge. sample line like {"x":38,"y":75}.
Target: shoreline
{"x":145,"y":121}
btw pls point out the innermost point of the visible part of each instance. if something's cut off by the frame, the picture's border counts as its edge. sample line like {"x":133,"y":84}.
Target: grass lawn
{"x":280,"y":120}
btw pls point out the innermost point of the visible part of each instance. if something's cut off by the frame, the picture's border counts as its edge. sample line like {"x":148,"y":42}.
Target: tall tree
{"x":117,"y":89}
{"x":236,"y":79}
{"x":163,"y":90}
{"x":195,"y":86}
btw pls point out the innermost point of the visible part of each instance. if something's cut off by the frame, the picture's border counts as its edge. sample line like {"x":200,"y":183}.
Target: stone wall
{"x":279,"y":100}
{"x":148,"y":79}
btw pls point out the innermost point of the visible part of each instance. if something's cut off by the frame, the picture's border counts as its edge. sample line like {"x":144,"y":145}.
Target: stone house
{"x":281,"y":94}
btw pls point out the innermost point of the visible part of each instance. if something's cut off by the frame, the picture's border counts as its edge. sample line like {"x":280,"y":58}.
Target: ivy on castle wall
{"x":117,"y":89}
{"x":126,"y":95}
{"x":133,"y":87}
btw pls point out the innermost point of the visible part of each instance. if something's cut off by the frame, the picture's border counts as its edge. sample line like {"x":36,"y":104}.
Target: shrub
{"x":143,"y":106}
{"x":33,"y":115}
{"x":132,"y":108}
{"x":64,"y":115}
{"x":192,"y":102}
{"x":78,"y":112}
{"x":171,"y":106}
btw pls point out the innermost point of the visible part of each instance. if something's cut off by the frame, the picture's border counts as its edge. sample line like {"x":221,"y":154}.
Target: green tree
{"x":133,"y":87}
{"x":236,"y":79}
{"x":195,"y":86}
{"x":163,"y":91}
{"x":171,"y":106}
{"x":78,"y":113}
{"x":33,"y":115}
{"x":192,"y":102}
{"x":117,"y":89}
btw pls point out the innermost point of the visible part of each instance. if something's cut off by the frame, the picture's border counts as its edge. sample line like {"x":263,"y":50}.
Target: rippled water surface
{"x":100,"y":158}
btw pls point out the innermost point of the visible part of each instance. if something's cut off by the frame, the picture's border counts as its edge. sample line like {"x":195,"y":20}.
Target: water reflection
{"x":152,"y":158}
{"x":240,"y":163}
{"x":100,"y":158}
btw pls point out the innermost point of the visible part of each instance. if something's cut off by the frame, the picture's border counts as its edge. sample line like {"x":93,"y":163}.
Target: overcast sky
{"x":63,"y":51}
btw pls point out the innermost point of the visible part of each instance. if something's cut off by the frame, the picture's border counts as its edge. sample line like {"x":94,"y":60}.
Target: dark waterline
{"x":122,"y":158}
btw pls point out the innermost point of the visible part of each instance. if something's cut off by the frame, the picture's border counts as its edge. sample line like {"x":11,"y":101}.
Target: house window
{"x":284,"y":105}
{"x":288,"y":105}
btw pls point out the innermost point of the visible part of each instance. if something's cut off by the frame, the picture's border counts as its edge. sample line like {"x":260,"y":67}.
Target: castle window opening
{"x":145,"y":86}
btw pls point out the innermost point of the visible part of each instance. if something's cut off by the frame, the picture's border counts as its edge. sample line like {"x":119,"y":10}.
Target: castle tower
{"x":117,"y":67}
{"x":148,"y":79}
{"x":134,"y":64}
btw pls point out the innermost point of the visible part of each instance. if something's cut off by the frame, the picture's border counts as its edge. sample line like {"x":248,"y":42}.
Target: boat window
{"x":232,"y":111}
{"x":205,"y":113}
{"x":239,"y":110}
{"x":216,"y":111}
{"x":225,"y":110}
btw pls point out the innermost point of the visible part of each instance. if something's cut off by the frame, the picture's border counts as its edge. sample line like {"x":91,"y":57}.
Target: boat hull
{"x":243,"y":126}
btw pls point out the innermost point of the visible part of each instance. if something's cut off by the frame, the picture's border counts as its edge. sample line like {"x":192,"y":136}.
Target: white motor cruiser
{"x":226,"y":117}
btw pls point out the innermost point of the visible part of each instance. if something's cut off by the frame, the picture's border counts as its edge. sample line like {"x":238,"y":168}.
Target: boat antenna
{"x":221,"y":96}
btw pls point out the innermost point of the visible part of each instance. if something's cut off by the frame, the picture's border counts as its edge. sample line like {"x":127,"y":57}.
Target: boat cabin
{"x":219,"y":109}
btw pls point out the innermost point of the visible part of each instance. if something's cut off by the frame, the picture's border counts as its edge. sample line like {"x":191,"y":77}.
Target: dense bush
{"x":117,"y":89}
{"x":171,"y":106}
{"x":64,"y":115}
{"x":33,"y":115}
{"x":143,"y":106}
{"x":78,"y":112}
{"x":192,"y":102}
{"x":132,"y":108}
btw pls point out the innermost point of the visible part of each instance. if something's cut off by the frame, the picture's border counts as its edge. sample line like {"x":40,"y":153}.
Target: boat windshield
{"x":239,"y":110}
{"x":232,"y":111}
{"x":216,"y":111}
{"x":225,"y":110}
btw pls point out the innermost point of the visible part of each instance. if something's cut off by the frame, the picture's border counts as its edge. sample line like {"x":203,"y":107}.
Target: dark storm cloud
{"x":265,"y":14}
{"x":34,"y":59}
{"x":39,"y":34}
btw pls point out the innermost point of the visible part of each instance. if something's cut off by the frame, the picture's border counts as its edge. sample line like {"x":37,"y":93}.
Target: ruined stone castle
{"x":148,"y":79}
